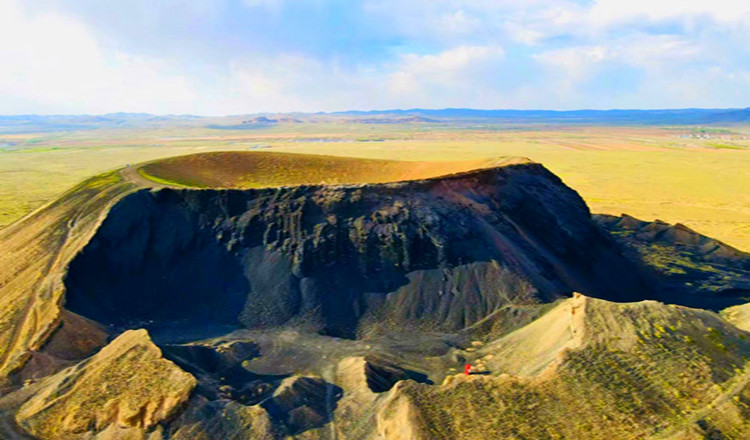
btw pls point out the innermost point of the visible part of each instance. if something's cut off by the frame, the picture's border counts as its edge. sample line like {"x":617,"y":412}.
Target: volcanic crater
{"x":344,"y":259}
{"x":294,"y":288}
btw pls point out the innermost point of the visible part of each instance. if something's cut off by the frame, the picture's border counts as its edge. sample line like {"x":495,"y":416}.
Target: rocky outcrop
{"x":369,"y":375}
{"x":303,"y":403}
{"x":382,"y":376}
{"x":75,"y":339}
{"x":126,"y":386}
{"x":223,"y":420}
{"x":219,"y":370}
{"x":399,"y":418}
{"x":677,"y":235}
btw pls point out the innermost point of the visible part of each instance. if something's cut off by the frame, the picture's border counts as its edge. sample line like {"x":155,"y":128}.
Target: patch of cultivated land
{"x":672,"y":174}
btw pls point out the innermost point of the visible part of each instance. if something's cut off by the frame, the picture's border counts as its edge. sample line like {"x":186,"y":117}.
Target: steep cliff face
{"x":438,"y":254}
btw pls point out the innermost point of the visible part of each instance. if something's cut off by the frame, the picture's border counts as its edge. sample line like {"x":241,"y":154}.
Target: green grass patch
{"x":102,"y":180}
{"x":726,"y":146}
{"x":665,"y":259}
{"x":34,"y":150}
{"x":163,"y":181}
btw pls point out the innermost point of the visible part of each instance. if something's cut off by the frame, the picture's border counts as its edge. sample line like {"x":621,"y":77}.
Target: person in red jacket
{"x":467,"y":369}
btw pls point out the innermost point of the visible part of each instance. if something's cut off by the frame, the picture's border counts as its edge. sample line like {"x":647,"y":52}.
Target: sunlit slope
{"x":738,"y":315}
{"x":261,"y":169}
{"x":125,"y":387}
{"x":35,"y":253}
{"x":591,"y":369}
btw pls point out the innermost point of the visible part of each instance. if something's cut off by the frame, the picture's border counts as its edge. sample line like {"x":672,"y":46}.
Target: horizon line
{"x":391,"y":110}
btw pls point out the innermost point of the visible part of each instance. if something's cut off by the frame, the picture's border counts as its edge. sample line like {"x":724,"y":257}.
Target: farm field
{"x":696,"y":176}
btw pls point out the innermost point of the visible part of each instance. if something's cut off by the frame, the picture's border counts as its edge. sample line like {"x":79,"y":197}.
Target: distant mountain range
{"x":627,"y":117}
{"x":691,"y":116}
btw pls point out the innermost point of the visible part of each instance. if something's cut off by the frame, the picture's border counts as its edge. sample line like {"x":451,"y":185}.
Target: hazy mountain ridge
{"x":53,"y":123}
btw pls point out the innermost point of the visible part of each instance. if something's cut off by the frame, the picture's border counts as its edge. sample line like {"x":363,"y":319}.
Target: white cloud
{"x":289,"y":82}
{"x":266,"y":3}
{"x":570,"y":68}
{"x":430,"y":53}
{"x":457,"y":23}
{"x":616,"y":10}
{"x":647,"y":52}
{"x":671,"y":71}
{"x":452,"y":68}
{"x":280,"y":83}
{"x":576,"y":63}
{"x":53,"y":62}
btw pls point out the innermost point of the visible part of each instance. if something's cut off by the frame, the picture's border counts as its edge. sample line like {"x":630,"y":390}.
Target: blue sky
{"x":217,"y":57}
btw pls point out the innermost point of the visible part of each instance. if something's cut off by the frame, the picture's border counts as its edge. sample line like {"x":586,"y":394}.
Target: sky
{"x":221,"y":57}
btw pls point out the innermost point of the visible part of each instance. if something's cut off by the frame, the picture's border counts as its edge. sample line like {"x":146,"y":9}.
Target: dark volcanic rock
{"x":439,"y":254}
{"x":684,"y":266}
{"x":381,"y":375}
{"x":219,"y":370}
{"x":303,"y":403}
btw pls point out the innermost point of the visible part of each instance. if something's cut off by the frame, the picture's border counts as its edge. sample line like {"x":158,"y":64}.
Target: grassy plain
{"x":696,"y":176}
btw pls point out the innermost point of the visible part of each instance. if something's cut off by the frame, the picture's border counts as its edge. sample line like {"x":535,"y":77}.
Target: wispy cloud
{"x":51,"y":63}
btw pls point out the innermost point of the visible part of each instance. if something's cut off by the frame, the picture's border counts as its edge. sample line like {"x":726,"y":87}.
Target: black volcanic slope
{"x":439,"y":254}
